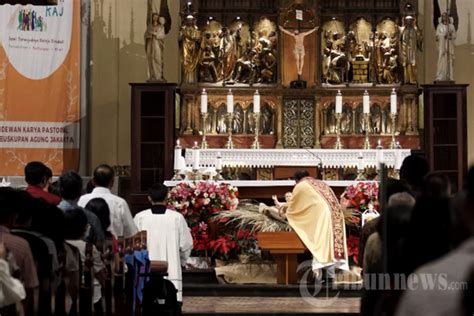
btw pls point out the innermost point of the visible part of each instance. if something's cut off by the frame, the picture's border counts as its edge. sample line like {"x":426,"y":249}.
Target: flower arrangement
{"x":355,"y":200}
{"x":199,"y":202}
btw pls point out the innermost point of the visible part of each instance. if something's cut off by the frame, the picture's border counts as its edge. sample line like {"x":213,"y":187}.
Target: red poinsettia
{"x":353,"y":248}
{"x":199,"y":202}
{"x":223,"y":246}
{"x":355,"y":200}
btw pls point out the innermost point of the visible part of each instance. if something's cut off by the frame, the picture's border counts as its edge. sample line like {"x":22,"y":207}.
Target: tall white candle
{"x":360,"y":162}
{"x":219,"y":161}
{"x":338,"y":102}
{"x":196,"y":159}
{"x":256,"y":102}
{"x":393,"y":102}
{"x":398,"y":156}
{"x":204,"y":101}
{"x":177,"y":155}
{"x":366,"y":102}
{"x":230,"y":102}
{"x":379,"y":154}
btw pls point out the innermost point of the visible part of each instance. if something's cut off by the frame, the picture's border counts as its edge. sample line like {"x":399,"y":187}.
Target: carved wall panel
{"x":298,"y":123}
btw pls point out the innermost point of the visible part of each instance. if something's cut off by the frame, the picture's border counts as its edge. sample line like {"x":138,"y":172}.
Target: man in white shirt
{"x":121,"y":220}
{"x":168,"y":235}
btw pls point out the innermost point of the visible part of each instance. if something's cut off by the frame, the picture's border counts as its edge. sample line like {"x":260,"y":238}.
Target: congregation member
{"x":315,"y":215}
{"x":447,"y":296}
{"x":413,"y":169}
{"x":428,"y":237}
{"x":99,"y":207}
{"x":76,"y":224}
{"x":385,"y":258}
{"x":38,"y":177}
{"x":122,"y":224}
{"x":70,"y":188}
{"x":24,"y":267}
{"x":168,"y":235}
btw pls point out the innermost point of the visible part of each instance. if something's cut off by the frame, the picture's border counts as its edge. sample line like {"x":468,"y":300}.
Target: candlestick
{"x":204,"y":144}
{"x":230,"y":143}
{"x":204,"y":101}
{"x":366,"y":130}
{"x":256,"y":102}
{"x":366,"y":102}
{"x":338,"y":144}
{"x":393,"y":102}
{"x":256,"y":143}
{"x":230,"y":102}
{"x":338,"y":102}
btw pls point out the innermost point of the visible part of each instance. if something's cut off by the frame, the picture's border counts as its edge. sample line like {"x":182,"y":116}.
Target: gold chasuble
{"x":315,"y":215}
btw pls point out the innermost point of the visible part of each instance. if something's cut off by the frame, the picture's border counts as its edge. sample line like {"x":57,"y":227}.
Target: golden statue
{"x":189,"y":37}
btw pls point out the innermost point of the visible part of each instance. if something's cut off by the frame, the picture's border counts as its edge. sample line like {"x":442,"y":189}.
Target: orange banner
{"x":39,"y":86}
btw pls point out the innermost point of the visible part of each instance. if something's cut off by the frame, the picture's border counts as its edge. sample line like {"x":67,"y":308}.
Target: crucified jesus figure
{"x":299,"y":47}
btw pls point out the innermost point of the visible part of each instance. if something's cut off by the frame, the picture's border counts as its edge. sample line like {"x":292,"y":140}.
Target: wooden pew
{"x":284,"y":246}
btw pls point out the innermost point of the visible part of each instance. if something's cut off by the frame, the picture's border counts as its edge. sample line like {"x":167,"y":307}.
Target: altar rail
{"x":269,"y":158}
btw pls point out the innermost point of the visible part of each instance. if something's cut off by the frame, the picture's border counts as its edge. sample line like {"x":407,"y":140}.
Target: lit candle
{"x":256,"y":102}
{"x":398,"y":156}
{"x":360,"y":162}
{"x":219,"y":161}
{"x":338,"y":102}
{"x":393,"y":102}
{"x":379,"y":154}
{"x":204,"y":101}
{"x":177,"y":155}
{"x":230,"y":102}
{"x":196,"y":159}
{"x":366,"y":102}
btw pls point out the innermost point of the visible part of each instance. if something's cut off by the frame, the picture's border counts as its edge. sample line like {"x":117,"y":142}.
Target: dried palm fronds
{"x":247,"y":216}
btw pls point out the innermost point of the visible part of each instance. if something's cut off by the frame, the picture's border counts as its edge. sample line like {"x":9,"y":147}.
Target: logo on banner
{"x":37,"y":39}
{"x":30,"y":20}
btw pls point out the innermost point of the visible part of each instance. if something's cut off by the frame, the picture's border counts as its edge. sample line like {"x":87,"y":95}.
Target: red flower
{"x":353,"y":248}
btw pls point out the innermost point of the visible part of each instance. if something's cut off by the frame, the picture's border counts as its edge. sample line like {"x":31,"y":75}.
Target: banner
{"x":39,"y":86}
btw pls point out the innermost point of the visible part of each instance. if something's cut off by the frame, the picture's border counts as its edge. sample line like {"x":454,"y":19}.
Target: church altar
{"x":327,"y":158}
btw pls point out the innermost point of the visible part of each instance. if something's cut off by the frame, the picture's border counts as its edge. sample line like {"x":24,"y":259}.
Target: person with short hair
{"x":37,"y":177}
{"x":70,"y":189}
{"x":168,"y":235}
{"x":18,"y":247}
{"x":122,"y":224}
{"x":76,"y":228}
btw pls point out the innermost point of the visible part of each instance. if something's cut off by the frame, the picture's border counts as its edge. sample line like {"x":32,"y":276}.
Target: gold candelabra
{"x":256,"y":143}
{"x":338,"y":144}
{"x":393,"y":143}
{"x":204,"y":144}
{"x":230,"y":143}
{"x":366,"y":127}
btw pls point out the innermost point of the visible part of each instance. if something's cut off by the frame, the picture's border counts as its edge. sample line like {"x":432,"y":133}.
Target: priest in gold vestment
{"x":315,"y":215}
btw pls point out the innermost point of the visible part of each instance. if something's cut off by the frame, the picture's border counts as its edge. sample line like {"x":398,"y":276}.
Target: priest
{"x":315,"y":215}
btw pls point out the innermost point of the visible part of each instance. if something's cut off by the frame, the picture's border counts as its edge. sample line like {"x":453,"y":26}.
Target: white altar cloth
{"x":269,"y":158}
{"x":269,"y":183}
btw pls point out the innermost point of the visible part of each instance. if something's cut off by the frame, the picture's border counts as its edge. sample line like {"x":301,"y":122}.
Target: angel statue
{"x":445,"y":36}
